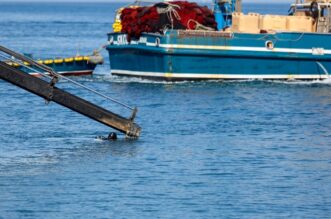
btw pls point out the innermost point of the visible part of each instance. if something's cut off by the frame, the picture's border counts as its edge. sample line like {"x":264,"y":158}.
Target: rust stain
{"x":197,"y":33}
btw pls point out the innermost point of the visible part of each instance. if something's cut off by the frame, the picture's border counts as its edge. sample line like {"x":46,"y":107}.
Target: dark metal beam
{"x":77,"y":104}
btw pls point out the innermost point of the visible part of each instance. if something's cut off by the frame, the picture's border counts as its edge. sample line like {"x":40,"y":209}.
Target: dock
{"x":48,"y":91}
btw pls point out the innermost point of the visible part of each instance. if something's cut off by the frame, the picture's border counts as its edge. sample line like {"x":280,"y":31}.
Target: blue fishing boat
{"x":252,"y":46}
{"x":69,"y":66}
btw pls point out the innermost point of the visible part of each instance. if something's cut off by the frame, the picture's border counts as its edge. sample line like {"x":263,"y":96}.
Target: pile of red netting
{"x":162,"y":16}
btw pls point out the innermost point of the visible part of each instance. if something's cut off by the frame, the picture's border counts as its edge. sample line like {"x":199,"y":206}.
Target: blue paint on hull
{"x":68,"y":68}
{"x":213,"y":55}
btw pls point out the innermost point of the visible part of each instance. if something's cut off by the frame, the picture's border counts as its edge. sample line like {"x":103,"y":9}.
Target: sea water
{"x":249,"y":149}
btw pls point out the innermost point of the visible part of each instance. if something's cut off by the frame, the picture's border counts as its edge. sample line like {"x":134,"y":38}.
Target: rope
{"x":274,"y":36}
{"x":323,"y":68}
{"x":198,"y":25}
{"x":97,"y":51}
{"x":171,"y":12}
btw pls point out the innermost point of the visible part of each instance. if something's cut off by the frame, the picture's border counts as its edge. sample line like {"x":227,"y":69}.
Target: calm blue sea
{"x":208,"y":149}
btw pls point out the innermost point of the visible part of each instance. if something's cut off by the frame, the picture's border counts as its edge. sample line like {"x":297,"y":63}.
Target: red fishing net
{"x":162,"y":16}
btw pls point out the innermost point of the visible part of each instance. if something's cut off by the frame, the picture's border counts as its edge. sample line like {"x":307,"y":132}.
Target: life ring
{"x":314,"y":9}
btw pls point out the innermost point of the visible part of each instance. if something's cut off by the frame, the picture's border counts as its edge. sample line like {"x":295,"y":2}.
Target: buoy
{"x":69,"y":59}
{"x":58,"y":61}
{"x":96,"y":58}
{"x":79,"y":58}
{"x":49,"y":61}
{"x":117,"y":26}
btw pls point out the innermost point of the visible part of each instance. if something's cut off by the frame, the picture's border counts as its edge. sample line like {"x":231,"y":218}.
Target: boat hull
{"x":196,"y":55}
{"x":70,"y":67}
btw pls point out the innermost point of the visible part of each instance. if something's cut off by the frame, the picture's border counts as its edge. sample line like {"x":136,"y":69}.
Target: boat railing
{"x":306,"y":5}
{"x":48,"y":91}
{"x":8,"y":55}
{"x":26,"y":61}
